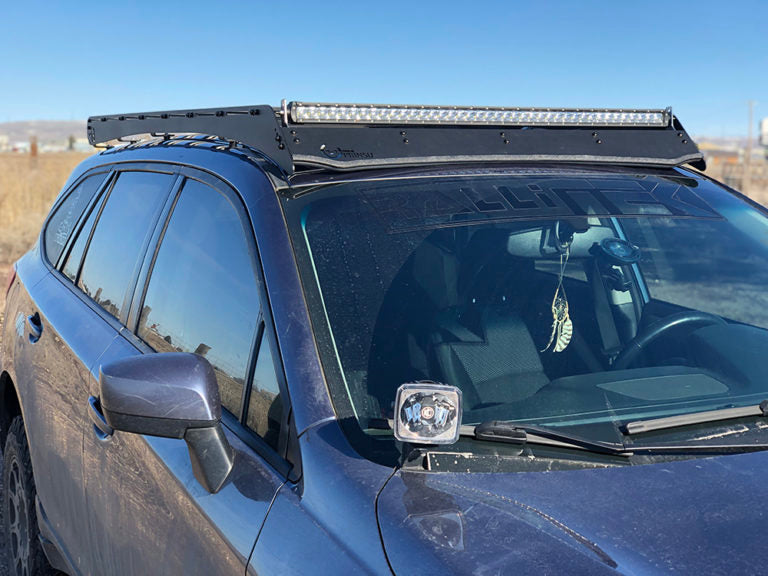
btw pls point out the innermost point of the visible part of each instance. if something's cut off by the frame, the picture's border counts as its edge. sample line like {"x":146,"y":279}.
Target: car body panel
{"x":326,"y":524}
{"x":50,"y":375}
{"x":694,"y":516}
{"x":142,"y":490}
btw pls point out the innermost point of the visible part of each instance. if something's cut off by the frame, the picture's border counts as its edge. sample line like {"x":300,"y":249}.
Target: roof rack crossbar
{"x":353,"y":136}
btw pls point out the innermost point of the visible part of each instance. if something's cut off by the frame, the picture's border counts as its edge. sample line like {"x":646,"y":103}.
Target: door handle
{"x":35,"y":327}
{"x":102,"y":430}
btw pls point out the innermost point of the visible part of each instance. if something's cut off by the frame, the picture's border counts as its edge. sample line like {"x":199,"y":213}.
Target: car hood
{"x":704,"y":515}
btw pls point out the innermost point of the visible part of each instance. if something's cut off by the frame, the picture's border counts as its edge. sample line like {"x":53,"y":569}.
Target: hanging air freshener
{"x":562,"y":327}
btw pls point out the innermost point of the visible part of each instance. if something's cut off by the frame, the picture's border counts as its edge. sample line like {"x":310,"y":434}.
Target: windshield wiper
{"x":515,"y":433}
{"x":641,"y":426}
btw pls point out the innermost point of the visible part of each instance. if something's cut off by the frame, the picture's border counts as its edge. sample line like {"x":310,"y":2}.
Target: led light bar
{"x":302,"y":113}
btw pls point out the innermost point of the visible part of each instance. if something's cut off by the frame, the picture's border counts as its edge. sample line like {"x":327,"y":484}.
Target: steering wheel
{"x":658,"y":329}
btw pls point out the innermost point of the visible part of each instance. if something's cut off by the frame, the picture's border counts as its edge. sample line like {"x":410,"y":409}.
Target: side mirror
{"x":171,"y":395}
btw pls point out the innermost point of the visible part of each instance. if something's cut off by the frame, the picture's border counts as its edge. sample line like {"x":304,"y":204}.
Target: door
{"x":147,"y":512}
{"x":80,"y":329}
{"x":57,"y":339}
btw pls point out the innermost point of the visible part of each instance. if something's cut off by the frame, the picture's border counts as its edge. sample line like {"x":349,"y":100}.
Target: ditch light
{"x":319,"y":113}
{"x":427,"y":413}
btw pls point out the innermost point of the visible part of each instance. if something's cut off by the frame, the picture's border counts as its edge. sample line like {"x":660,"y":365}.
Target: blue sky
{"x":68,"y":60}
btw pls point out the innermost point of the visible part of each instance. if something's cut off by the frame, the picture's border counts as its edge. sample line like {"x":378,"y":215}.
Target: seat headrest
{"x":489,"y":274}
{"x":435,"y":269}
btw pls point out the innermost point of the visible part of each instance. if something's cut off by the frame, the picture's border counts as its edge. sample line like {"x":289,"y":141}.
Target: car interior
{"x":473,"y":307}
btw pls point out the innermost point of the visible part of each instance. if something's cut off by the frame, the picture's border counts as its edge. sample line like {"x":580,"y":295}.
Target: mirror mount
{"x":211,"y":455}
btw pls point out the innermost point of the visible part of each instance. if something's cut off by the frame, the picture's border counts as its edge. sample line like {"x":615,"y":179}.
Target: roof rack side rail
{"x":254,"y":126}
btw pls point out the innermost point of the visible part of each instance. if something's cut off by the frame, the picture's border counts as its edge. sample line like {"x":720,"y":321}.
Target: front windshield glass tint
{"x":454,"y":279}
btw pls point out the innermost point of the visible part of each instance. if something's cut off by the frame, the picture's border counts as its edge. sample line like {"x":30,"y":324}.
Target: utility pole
{"x":33,"y":150}
{"x":747,"y":180}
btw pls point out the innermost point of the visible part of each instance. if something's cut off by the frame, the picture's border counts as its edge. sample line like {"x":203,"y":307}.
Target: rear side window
{"x":75,"y":257}
{"x":63,"y":221}
{"x":120,"y":238}
{"x":202,"y":295}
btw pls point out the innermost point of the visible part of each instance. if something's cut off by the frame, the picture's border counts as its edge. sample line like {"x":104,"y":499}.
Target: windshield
{"x":555,"y":298}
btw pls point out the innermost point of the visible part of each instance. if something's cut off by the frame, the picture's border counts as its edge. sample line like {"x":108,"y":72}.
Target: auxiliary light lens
{"x":385,"y":114}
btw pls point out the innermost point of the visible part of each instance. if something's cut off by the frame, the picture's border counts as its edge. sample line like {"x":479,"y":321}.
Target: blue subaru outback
{"x":372,"y":339}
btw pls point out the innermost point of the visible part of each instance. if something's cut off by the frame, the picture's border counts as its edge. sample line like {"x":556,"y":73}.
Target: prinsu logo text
{"x":346,"y":154}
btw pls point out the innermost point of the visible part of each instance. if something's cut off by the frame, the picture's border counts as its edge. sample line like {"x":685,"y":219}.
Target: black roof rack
{"x":355,"y":136}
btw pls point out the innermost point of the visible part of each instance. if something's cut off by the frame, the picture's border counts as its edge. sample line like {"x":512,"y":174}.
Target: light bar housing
{"x":323,"y":113}
{"x":427,"y":413}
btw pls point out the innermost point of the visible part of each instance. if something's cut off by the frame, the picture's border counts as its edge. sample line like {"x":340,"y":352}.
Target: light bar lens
{"x":384,"y":114}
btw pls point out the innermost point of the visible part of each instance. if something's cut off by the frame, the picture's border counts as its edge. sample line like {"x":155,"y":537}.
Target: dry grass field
{"x":28,"y":187}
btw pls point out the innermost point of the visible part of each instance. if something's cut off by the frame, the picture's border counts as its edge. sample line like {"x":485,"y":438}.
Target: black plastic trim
{"x":211,"y":455}
{"x":140,"y":285}
{"x":54,"y":550}
{"x":162,"y":427}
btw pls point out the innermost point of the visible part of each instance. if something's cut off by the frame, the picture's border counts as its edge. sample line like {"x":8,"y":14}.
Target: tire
{"x":23,"y":548}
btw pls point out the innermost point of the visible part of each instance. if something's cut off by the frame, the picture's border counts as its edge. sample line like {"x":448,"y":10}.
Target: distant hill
{"x":737,"y":142}
{"x":47,"y":131}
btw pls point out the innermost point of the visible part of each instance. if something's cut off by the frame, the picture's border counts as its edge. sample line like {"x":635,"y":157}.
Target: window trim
{"x":258,"y":339}
{"x":127,"y":301}
{"x":102,"y":196}
{"x":149,"y":255}
{"x":98,"y":203}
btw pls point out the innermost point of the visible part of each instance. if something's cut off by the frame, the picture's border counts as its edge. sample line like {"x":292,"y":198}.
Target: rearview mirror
{"x":171,"y":395}
{"x":542,"y":243}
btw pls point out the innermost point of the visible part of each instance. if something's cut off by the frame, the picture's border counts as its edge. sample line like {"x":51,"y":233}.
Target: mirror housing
{"x":170,"y":395}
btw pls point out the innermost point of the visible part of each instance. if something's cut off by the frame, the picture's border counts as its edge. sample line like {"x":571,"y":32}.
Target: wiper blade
{"x":641,"y":426}
{"x":515,"y":433}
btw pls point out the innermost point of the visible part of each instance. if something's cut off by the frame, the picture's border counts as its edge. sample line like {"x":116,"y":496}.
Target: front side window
{"x":202,"y":295}
{"x":455,"y":279}
{"x":63,"y":221}
{"x":120,"y":238}
{"x":265,"y":407}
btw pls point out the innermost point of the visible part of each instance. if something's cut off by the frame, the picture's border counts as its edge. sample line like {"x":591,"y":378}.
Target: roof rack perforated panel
{"x":363,"y":145}
{"x":346,"y":148}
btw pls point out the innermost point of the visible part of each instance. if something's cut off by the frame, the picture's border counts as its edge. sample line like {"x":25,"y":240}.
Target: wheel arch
{"x":10,"y":408}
